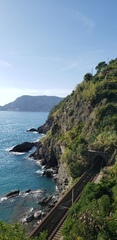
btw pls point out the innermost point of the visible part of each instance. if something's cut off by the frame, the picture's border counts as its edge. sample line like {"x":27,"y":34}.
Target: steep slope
{"x":86,"y":119}
{"x":32,"y":104}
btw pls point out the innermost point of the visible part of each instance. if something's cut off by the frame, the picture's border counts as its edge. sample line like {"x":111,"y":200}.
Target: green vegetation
{"x":94,"y":217}
{"x":100,"y":67}
{"x":86,"y":119}
{"x":88,"y":76}
{"x":16,"y":232}
{"x":11,"y":232}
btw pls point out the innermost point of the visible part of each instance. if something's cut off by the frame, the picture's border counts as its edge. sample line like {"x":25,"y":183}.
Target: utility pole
{"x":72,"y":196}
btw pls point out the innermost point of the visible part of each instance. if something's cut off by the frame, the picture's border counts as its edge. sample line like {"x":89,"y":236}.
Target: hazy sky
{"x":47,"y":46}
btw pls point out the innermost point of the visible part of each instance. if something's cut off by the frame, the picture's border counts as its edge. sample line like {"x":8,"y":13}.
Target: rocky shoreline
{"x":33,"y":216}
{"x":30,"y":217}
{"x":48,"y":160}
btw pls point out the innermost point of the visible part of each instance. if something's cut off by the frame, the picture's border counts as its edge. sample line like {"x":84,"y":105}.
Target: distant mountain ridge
{"x":28,"y":103}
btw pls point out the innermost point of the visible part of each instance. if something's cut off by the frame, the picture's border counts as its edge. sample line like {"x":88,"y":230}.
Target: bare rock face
{"x":46,"y":153}
{"x":23,"y":147}
{"x":64,"y":178}
{"x":45,"y":127}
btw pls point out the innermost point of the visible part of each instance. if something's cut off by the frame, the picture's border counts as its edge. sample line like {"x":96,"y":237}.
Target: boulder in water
{"x":32,"y":130}
{"x":12,"y":194}
{"x":29,"y":218}
{"x":23,"y":147}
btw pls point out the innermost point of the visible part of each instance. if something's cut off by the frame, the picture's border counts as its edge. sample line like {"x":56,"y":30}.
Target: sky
{"x":47,"y":46}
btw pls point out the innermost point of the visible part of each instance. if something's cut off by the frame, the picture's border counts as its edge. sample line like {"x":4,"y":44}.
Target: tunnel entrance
{"x":98,"y":163}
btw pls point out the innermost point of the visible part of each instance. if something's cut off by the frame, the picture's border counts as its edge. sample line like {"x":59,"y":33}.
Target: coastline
{"x":22,"y":205}
{"x":19,"y":172}
{"x":31,"y":215}
{"x":30,"y":206}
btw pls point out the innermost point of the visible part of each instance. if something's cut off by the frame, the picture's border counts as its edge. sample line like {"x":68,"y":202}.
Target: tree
{"x":88,"y":76}
{"x":100,"y":66}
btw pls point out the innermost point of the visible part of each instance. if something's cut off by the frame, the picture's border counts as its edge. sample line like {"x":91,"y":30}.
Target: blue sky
{"x":47,"y":46}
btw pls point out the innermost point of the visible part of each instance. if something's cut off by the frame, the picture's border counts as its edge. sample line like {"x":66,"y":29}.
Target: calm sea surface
{"x":18,"y":171}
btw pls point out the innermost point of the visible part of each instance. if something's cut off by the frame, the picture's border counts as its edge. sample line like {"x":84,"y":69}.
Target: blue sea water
{"x":18,"y":171}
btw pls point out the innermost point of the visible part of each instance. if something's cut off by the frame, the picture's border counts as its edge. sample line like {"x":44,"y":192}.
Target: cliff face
{"x":86,"y":119}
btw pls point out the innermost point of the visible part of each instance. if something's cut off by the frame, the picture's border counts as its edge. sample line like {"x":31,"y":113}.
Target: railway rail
{"x":54,"y":219}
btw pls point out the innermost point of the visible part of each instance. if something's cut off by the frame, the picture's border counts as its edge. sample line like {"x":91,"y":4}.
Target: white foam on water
{"x":18,"y":153}
{"x":24,"y":194}
{"x":2,"y":199}
{"x":38,"y":162}
{"x":39,"y":171}
{"x":9,"y":148}
{"x":56,"y":188}
{"x":37,"y":191}
{"x":31,"y":210}
{"x":15,"y":153}
{"x":23,"y":220}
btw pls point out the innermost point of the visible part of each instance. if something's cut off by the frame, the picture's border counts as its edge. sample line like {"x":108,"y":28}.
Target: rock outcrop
{"x":45,"y":127}
{"x":12,"y":194}
{"x":46,"y":154}
{"x":32,"y":130}
{"x":23,"y":147}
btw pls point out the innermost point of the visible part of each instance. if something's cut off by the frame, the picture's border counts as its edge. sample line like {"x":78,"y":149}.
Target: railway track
{"x":55,"y":218}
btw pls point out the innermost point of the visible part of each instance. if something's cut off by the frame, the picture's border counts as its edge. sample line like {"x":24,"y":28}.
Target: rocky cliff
{"x":86,"y":119}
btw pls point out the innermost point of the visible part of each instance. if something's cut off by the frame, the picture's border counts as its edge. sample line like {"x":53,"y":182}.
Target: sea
{"x":17,"y":170}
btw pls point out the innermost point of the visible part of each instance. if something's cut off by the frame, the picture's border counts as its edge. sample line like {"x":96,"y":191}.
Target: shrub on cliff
{"x":11,"y":232}
{"x":95,"y":215}
{"x":16,"y":232}
{"x":85,"y":120}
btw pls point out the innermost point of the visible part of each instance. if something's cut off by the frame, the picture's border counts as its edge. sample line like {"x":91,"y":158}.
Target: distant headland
{"x":28,"y":103}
